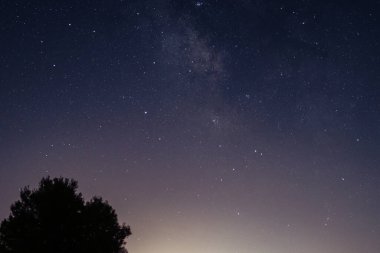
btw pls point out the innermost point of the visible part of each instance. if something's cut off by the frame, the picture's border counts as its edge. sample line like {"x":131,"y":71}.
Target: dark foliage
{"x":55,"y":218}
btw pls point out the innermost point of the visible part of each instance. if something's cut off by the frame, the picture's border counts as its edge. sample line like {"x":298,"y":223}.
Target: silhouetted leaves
{"x":55,"y":218}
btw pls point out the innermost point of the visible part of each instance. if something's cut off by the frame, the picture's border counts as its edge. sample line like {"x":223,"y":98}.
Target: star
{"x":199,"y":3}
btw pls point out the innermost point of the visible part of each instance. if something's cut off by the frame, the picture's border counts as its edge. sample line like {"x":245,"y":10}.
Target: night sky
{"x":210,"y":126}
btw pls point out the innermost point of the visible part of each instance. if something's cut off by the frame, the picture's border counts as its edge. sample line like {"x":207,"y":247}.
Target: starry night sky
{"x":210,"y":126}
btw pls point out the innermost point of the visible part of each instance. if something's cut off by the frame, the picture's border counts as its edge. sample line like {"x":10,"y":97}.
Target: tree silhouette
{"x":55,"y":218}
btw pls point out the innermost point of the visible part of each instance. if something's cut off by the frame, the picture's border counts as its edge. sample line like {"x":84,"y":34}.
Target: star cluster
{"x":210,"y":126}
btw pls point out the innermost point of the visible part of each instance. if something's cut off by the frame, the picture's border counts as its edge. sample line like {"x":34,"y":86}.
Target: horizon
{"x":209,"y":126}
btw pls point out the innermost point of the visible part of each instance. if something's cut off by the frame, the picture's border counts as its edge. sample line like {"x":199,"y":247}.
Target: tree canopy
{"x":55,"y":218}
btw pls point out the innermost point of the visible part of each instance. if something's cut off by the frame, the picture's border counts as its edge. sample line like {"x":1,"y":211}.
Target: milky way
{"x":210,"y":126}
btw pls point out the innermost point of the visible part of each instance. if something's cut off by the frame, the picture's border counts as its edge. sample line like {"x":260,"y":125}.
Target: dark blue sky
{"x":210,"y":126}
